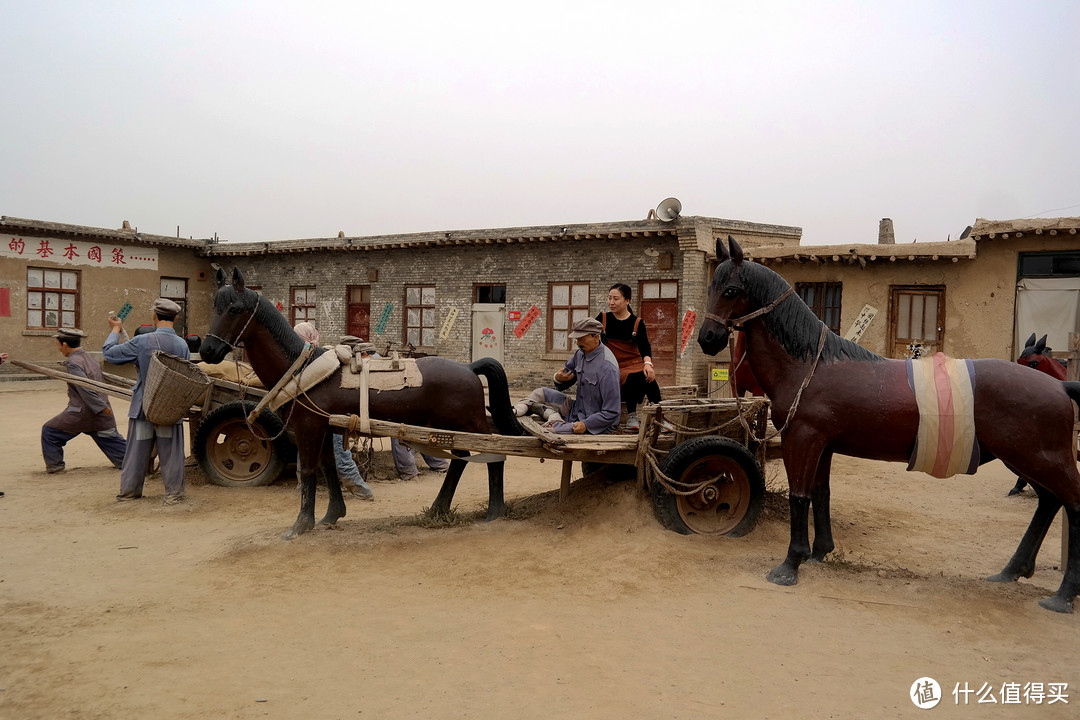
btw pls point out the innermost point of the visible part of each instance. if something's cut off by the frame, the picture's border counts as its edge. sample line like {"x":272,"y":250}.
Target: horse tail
{"x":1072,"y":389}
{"x":502,"y":412}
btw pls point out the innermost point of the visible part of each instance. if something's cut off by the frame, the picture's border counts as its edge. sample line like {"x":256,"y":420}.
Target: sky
{"x":258,"y":121}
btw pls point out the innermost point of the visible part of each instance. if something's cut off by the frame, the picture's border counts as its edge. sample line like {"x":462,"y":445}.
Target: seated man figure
{"x":593,"y":367}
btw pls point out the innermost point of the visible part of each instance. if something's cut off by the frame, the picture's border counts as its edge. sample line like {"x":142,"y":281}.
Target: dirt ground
{"x":585,"y":609}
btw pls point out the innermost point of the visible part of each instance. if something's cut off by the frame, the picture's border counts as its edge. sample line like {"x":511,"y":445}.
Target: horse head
{"x":727,"y":298}
{"x":234,"y":307}
{"x":1036,"y":355}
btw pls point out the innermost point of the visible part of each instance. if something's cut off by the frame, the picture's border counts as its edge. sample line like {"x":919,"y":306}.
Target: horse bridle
{"x":232,"y":345}
{"x":734,"y":324}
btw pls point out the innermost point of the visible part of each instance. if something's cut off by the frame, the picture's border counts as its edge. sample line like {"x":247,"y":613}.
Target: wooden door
{"x":916,"y":320}
{"x":659,"y":310}
{"x":358,"y":320}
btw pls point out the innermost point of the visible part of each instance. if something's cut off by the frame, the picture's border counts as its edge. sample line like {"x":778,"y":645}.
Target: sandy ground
{"x":586,"y":609}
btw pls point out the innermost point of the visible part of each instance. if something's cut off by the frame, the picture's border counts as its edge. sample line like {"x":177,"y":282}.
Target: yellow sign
{"x":720,"y":374}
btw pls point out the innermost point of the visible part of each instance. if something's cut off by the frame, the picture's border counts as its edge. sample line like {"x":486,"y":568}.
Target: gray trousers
{"x":141,"y":438}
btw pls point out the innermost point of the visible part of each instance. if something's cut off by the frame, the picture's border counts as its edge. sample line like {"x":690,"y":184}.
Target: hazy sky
{"x":274,"y":120}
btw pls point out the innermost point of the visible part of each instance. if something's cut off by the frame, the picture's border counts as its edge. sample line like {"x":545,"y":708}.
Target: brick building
{"x":463,"y":294}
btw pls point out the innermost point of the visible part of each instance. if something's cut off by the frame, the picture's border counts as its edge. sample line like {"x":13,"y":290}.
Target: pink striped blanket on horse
{"x":945,"y":393}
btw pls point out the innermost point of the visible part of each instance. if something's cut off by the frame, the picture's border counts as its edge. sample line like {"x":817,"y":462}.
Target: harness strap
{"x":757,"y":313}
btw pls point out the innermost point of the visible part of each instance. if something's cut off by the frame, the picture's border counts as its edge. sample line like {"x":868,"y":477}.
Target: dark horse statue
{"x":1037,"y":356}
{"x":831,"y":396}
{"x":450,"y":398}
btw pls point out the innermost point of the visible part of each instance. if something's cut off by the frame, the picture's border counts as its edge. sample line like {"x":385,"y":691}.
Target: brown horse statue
{"x":450,"y":398}
{"x":1037,"y":356}
{"x":831,"y":396}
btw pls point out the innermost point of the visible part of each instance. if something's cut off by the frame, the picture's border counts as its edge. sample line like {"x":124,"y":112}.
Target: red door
{"x":358,"y":320}
{"x":659,"y":309}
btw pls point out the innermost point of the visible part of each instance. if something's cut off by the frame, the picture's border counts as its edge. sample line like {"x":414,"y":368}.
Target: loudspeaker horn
{"x":669,"y":209}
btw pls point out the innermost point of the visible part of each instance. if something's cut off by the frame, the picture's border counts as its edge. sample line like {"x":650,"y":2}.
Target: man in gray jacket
{"x":142,"y":435}
{"x":87,"y":411}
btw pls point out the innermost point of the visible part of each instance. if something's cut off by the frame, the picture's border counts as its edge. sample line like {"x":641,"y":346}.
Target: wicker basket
{"x":173,"y":385}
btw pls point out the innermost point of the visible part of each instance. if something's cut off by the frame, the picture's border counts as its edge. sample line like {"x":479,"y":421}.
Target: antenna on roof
{"x":668,"y":209}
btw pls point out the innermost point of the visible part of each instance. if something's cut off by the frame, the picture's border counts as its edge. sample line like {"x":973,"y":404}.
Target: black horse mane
{"x":274,"y":322}
{"x":792,"y":323}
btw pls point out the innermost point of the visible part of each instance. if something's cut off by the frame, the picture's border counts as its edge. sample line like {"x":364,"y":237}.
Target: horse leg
{"x":309,"y":443}
{"x":496,"y":504}
{"x":1022,"y":563}
{"x":336,"y":509}
{"x":819,"y":500}
{"x":449,"y":485}
{"x":1062,"y":601}
{"x":802,"y":456}
{"x":787,"y":572}
{"x":1018,"y":488}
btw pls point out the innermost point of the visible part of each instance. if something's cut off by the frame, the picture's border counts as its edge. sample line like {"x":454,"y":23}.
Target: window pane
{"x":70,"y":281}
{"x":33,"y":301}
{"x":580,"y":314}
{"x":498,"y":294}
{"x":560,"y":295}
{"x":559,"y":341}
{"x":413,"y":336}
{"x":650,"y":290}
{"x":52,"y":301}
{"x":429,"y":317}
{"x":559,"y":320}
{"x":298,"y":296}
{"x":52,"y":278}
{"x":903,"y":319}
{"x":34,"y":278}
{"x":669,"y":290}
{"x":67,"y":302}
{"x":930,"y":322}
{"x":69,"y":319}
{"x":413,"y":317}
{"x":428,"y":337}
{"x":51,"y":319}
{"x":427,"y":296}
{"x":412,"y":296}
{"x":917,"y":317}
{"x":33,"y":318}
{"x":580,"y":295}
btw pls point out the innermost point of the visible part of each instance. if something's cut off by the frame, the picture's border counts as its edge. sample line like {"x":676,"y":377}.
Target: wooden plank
{"x":75,"y":379}
{"x":564,"y":483}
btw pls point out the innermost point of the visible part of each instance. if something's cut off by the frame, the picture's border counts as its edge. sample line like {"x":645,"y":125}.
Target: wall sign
{"x":448,"y":323}
{"x":78,"y":252}
{"x":687,"y":329}
{"x":527,"y":321}
{"x":380,"y":327}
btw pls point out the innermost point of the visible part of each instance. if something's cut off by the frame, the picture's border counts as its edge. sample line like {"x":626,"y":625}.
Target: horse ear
{"x":1030,"y":341}
{"x":222,"y":280}
{"x":238,"y":281}
{"x":736,"y":251}
{"x":1040,"y":345}
{"x":721,"y":251}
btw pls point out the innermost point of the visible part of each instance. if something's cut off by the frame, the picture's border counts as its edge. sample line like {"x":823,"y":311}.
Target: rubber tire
{"x":687,"y":457}
{"x":214,"y":432}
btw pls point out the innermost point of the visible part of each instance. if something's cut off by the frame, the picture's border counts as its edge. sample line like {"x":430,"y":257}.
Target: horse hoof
{"x":1003,"y":577}
{"x":494,"y":514}
{"x":783,"y":575}
{"x":1057,"y":604}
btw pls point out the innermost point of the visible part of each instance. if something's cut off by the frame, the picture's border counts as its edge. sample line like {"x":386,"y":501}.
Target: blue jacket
{"x":598,"y":393}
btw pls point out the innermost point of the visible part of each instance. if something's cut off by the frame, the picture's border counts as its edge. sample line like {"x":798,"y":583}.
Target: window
{"x":1059,"y":264}
{"x":824,"y":300}
{"x":659,"y":290}
{"x":52,"y":298}
{"x":302,"y":304}
{"x":420,"y":315}
{"x":567,"y":303}
{"x":489,"y":293}
{"x":175,"y":289}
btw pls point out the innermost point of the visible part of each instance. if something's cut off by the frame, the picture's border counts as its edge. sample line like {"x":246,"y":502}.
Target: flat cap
{"x":586,"y":326}
{"x":165,"y":306}
{"x":364,"y":347}
{"x":65,"y":333}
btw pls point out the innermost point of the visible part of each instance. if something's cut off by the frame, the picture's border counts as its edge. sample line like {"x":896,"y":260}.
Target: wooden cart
{"x":702,"y":459}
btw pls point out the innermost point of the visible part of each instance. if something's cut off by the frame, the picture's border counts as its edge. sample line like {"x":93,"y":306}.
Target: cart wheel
{"x":729,"y":506}
{"x":232,"y":455}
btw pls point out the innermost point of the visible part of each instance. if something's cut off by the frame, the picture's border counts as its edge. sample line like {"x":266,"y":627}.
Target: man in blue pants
{"x":142,"y":434}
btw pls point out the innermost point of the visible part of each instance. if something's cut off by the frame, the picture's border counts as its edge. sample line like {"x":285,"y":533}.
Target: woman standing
{"x":625,"y":334}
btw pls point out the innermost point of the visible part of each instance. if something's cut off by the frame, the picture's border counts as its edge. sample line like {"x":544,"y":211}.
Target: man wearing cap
{"x":594,"y":368}
{"x":142,"y":435}
{"x":87,"y":411}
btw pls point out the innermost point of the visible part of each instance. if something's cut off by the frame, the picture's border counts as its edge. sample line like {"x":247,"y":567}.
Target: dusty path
{"x":587,"y":609}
